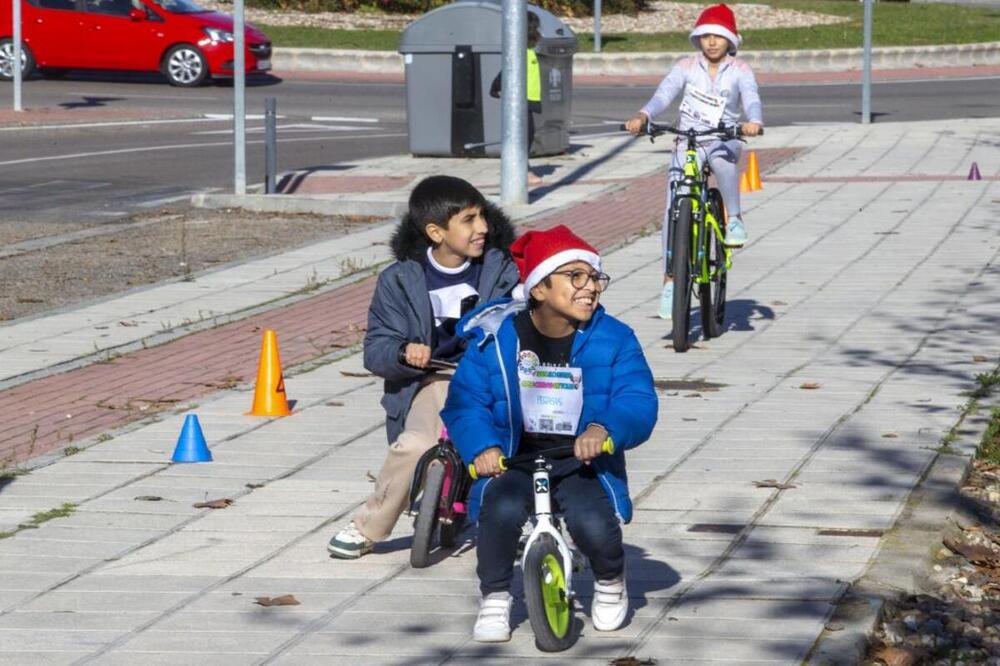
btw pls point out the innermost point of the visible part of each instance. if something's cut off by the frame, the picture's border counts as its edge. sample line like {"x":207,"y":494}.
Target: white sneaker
{"x":350,"y":544}
{"x":610,"y":604}
{"x":493,"y":621}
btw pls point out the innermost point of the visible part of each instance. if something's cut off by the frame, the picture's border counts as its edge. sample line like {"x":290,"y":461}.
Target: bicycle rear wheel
{"x":427,"y":516}
{"x":712,"y":295}
{"x":550,"y":608}
{"x":682,"y":275}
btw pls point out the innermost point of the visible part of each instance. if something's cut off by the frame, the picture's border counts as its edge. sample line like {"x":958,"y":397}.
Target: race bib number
{"x":703,"y":108}
{"x":551,"y":396}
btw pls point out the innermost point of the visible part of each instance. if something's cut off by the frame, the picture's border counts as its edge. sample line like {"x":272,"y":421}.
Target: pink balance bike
{"x":438,"y":493}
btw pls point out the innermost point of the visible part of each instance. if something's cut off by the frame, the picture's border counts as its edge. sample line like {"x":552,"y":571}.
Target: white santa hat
{"x":717,"y":20}
{"x":538,"y":253}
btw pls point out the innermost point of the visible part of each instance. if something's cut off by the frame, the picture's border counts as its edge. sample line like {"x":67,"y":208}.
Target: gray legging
{"x":723,"y":156}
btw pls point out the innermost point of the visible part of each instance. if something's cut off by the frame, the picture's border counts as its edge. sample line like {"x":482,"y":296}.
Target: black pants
{"x":586,"y":510}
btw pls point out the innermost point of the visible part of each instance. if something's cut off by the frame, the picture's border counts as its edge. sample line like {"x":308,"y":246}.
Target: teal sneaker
{"x":736,"y":234}
{"x":666,"y":301}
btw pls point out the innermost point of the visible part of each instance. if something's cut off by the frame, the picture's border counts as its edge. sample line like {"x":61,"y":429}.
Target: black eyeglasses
{"x":581,"y":278}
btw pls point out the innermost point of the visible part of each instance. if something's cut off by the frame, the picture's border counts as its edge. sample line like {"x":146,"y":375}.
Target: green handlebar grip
{"x":608,"y":446}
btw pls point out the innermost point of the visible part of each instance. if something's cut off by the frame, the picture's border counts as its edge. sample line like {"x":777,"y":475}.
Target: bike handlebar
{"x":564,"y":451}
{"x":655,"y":129}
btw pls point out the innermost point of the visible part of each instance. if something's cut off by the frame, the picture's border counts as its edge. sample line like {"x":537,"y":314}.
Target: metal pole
{"x":18,"y":54}
{"x":514,"y":125}
{"x":239,"y":100}
{"x":597,"y":26}
{"x":866,"y":75}
{"x":270,"y":142}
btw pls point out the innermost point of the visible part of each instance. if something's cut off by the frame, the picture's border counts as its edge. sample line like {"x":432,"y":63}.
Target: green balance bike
{"x":548,"y":562}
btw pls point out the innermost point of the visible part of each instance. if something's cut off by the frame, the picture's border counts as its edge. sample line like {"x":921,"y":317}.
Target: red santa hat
{"x":717,"y":20}
{"x":538,"y":253}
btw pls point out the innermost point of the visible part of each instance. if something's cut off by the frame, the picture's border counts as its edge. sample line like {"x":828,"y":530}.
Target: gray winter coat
{"x":400,"y":311}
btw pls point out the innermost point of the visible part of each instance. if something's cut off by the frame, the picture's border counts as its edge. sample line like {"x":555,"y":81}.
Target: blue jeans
{"x":587,"y":513}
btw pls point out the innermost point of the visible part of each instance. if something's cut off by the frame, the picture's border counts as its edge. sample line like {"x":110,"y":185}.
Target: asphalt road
{"x":101,"y":172}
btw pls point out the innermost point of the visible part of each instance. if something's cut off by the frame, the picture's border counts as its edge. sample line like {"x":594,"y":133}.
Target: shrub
{"x":557,"y":7}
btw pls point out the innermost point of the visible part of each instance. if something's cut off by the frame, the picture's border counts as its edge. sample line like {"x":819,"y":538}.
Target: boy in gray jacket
{"x":452,"y":253}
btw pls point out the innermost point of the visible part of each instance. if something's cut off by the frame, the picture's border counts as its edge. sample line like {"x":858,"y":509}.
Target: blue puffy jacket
{"x":484,"y":406}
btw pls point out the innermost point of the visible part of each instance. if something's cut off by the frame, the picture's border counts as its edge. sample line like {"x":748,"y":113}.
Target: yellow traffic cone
{"x":745,"y":184}
{"x":269,"y":396}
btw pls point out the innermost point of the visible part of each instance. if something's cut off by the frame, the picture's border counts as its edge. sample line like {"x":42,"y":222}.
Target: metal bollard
{"x":270,"y":143}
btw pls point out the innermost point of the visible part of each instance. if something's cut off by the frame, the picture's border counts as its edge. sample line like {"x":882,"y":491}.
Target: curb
{"x":905,"y":553}
{"x":268,"y":203}
{"x":642,"y":63}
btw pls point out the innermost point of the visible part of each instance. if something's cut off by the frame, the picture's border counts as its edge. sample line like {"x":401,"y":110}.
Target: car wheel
{"x":7,"y":60}
{"x":185,"y":66}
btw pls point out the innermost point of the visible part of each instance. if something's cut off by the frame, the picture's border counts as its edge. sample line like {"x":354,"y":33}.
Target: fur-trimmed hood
{"x":409,"y":242}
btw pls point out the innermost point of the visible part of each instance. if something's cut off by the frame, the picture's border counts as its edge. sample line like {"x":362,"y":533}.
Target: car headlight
{"x":218,"y":35}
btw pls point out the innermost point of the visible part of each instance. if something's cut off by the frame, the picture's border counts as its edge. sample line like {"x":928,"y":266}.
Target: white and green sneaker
{"x":350,"y":544}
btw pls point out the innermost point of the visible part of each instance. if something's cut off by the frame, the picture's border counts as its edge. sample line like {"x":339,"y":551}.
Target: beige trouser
{"x":376,"y":518}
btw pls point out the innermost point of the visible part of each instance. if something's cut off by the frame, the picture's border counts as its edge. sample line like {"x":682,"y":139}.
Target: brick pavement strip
{"x":73,"y":405}
{"x":831,"y":290}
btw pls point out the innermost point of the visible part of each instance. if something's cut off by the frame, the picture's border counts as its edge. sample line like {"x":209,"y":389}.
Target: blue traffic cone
{"x":974,"y":172}
{"x":191,"y":446}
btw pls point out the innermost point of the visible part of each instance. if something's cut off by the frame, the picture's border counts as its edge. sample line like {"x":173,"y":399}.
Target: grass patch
{"x":322,"y":38}
{"x":12,"y":472}
{"x":989,"y":448}
{"x":986,"y":383}
{"x":894,"y":24}
{"x":63,"y":511}
{"x":7,"y":535}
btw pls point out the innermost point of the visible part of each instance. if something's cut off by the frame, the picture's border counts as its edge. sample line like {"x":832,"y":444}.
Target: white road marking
{"x":229,"y":116}
{"x":184,"y":146}
{"x":339,"y":119}
{"x":295,"y":127}
{"x":171,"y":121}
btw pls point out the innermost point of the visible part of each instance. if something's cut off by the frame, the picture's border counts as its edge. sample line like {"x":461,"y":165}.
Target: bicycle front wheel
{"x":550,"y":608}
{"x":427,"y":516}
{"x":682,"y":275}
{"x":712,"y":294}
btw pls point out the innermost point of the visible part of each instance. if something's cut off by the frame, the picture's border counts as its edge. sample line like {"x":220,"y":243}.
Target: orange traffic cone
{"x":745,"y":184}
{"x":269,"y":397}
{"x":753,"y":169}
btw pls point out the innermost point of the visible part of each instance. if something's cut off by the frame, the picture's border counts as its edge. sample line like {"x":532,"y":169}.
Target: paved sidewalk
{"x":881,"y":291}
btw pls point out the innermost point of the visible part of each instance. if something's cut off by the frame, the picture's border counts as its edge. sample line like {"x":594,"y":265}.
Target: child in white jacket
{"x":714,"y":71}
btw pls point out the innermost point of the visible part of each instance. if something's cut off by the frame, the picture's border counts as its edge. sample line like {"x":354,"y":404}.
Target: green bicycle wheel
{"x":682,"y":275}
{"x":550,"y":608}
{"x":712,"y":294}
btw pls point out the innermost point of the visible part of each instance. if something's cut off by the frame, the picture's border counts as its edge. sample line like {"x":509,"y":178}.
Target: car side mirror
{"x":136,"y":14}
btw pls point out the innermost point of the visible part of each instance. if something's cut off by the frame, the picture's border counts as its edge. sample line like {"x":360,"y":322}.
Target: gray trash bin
{"x":452,"y":55}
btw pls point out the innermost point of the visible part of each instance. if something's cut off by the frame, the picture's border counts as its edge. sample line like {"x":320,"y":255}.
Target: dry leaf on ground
{"x":899,"y":656}
{"x":809,"y":385}
{"x":773,"y":483}
{"x":149,"y":498}
{"x":974,"y":553}
{"x":632,"y":661}
{"x":980,"y":359}
{"x":283,"y":600}
{"x":351,"y":373}
{"x":221,"y":503}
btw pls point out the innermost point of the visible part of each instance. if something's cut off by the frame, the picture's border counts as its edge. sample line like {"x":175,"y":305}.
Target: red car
{"x":187,"y":43}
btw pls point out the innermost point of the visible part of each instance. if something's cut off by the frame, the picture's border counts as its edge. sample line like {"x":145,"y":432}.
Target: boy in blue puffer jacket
{"x":500,"y":403}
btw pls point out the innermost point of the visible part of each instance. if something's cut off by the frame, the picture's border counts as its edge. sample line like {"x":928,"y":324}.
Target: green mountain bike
{"x":698,"y":259}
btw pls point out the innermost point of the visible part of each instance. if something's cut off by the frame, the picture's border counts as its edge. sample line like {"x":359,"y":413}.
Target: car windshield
{"x":180,"y":6}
